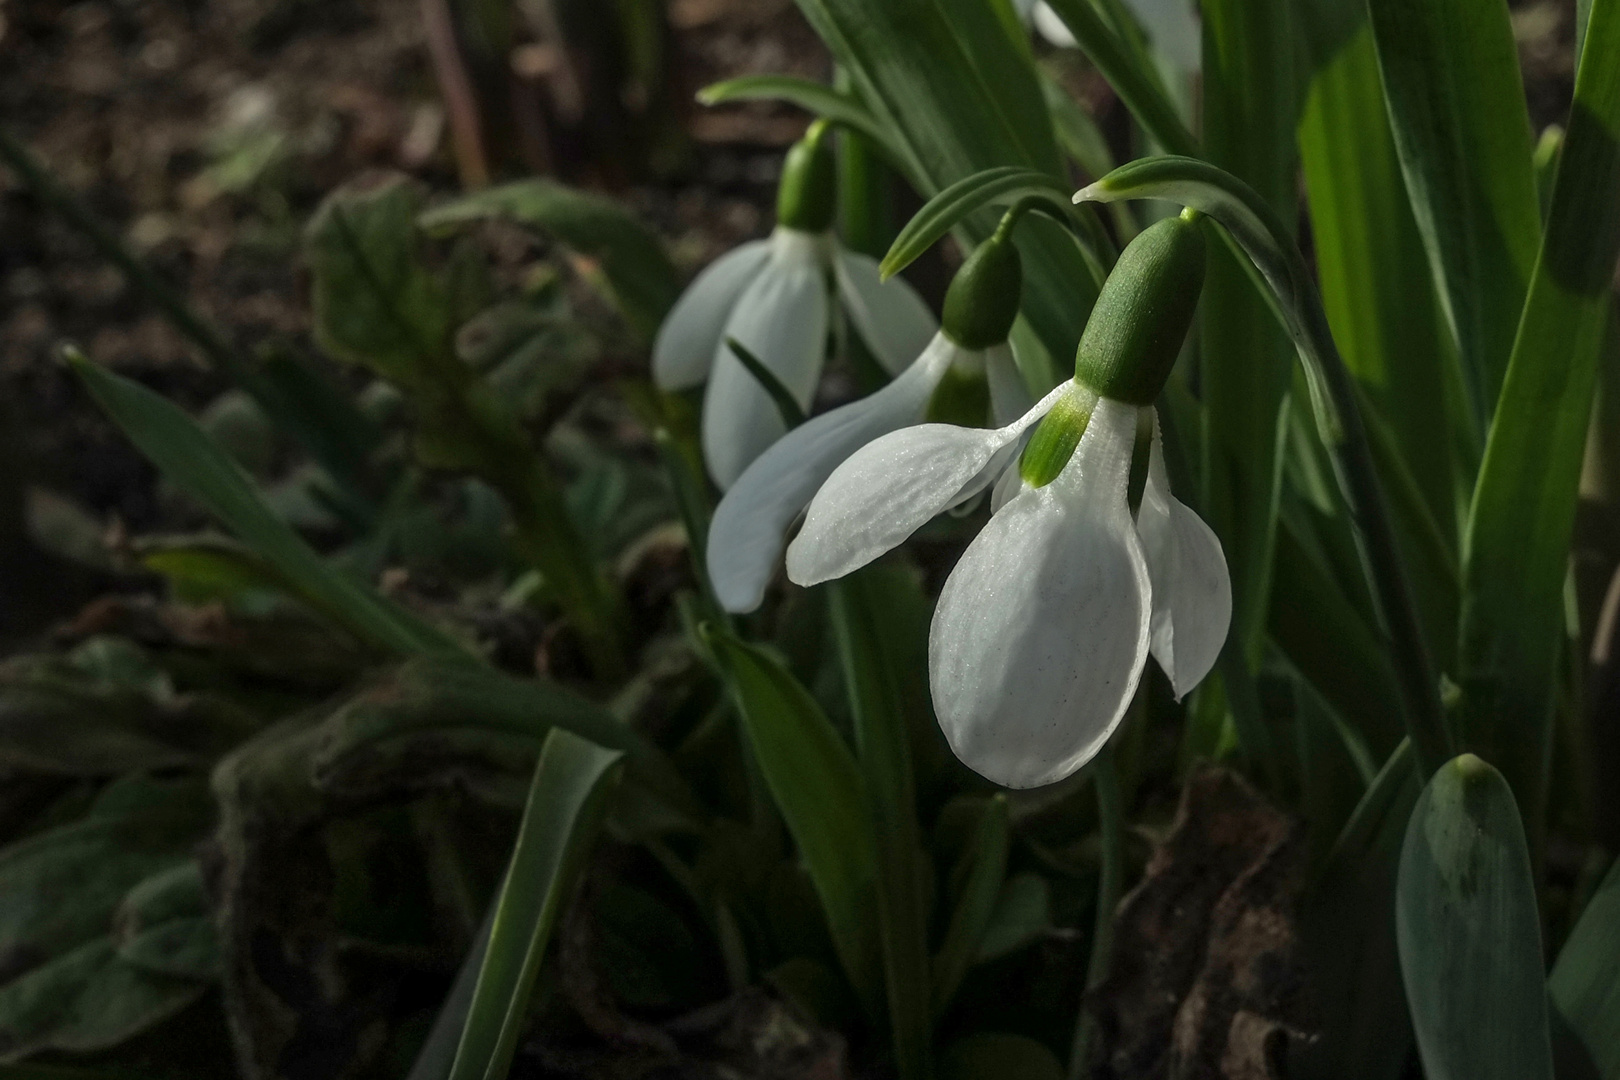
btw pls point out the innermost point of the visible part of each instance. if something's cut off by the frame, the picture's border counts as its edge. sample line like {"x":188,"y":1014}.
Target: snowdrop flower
{"x":1171,"y":25}
{"x":1044,"y":626}
{"x":965,"y":372}
{"x":774,"y":298}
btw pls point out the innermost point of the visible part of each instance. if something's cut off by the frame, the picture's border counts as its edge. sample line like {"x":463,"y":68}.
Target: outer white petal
{"x":781,"y":318}
{"x":893,"y":486}
{"x":1009,"y":395}
{"x":891,"y":318}
{"x":1050,"y":27}
{"x":685,"y":345}
{"x":751,"y":523}
{"x":1007,"y":488}
{"x":1041,"y":632}
{"x":1192,"y":591}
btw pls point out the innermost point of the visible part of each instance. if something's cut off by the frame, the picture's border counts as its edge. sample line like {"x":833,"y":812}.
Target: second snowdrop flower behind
{"x":1045,"y":624}
{"x":965,"y":375}
{"x":774,"y":298}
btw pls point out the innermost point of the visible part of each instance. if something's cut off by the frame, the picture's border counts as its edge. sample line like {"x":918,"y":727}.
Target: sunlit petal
{"x":1192,"y":591}
{"x":893,"y":486}
{"x":891,"y":318}
{"x":781,"y":318}
{"x":686,"y":341}
{"x":1041,"y":632}
{"x":750,"y":525}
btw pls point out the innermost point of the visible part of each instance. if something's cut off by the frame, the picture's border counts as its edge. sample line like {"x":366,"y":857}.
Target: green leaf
{"x":994,"y":187}
{"x":1006,"y":1057}
{"x":817,"y":786}
{"x":566,"y":801}
{"x":1469,"y":931}
{"x":884,"y":756}
{"x":1137,"y":85}
{"x":1519,"y":528}
{"x":1585,"y":982}
{"x":986,"y":863}
{"x":1022,"y":913}
{"x":174,"y":442}
{"x":88,"y":999}
{"x":822,"y":100}
{"x":628,"y":262}
{"x":165,"y":925}
{"x":1456,"y":106}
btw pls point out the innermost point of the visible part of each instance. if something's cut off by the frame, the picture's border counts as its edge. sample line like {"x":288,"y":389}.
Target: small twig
{"x":460,"y":99}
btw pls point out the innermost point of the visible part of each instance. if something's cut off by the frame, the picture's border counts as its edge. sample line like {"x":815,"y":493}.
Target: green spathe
{"x":982,"y":302}
{"x":807,"y":197}
{"x":1143,"y":313}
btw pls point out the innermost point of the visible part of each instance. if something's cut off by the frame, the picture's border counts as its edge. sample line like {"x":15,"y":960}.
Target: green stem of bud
{"x":1143,"y":312}
{"x":807,"y":196}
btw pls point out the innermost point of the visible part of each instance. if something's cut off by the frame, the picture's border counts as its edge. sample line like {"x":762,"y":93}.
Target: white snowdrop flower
{"x":1043,"y":628}
{"x":966,"y":374}
{"x":774,"y":298}
{"x":1171,"y":25}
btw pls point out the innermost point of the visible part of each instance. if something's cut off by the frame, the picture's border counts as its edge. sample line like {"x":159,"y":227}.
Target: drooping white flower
{"x":775,"y":298}
{"x":1172,"y":26}
{"x":1045,"y":624}
{"x":750,"y":525}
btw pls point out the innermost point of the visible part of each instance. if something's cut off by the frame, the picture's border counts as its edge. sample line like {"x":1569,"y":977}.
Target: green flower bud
{"x":807,"y":196}
{"x":1055,"y":439}
{"x":1143,"y":312}
{"x":963,"y":394}
{"x":982,"y":302}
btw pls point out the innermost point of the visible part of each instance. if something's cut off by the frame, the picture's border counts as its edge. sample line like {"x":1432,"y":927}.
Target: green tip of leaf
{"x":1472,"y":769}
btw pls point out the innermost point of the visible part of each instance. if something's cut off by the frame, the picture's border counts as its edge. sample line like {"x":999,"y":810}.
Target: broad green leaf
{"x":173,"y":442}
{"x":1022,"y":913}
{"x":1347,"y":927}
{"x":565,"y":805}
{"x":817,"y":786}
{"x":993,"y":187}
{"x":1469,"y":931}
{"x":1137,"y":85}
{"x":884,"y":757}
{"x":1006,"y":1057}
{"x":1249,"y":112}
{"x":1255,"y":228}
{"x":165,"y":925}
{"x":986,"y":863}
{"x":1517,"y":542}
{"x":627,"y":261}
{"x":1585,"y":982}
{"x":1457,"y":110}
{"x":1369,"y":258}
{"x":88,"y":999}
{"x":822,"y":100}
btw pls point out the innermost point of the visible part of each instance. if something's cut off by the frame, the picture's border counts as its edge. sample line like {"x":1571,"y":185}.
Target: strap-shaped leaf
{"x":1265,"y":240}
{"x":565,"y":805}
{"x":1519,"y":528}
{"x":992,"y":187}
{"x":1457,"y":109}
{"x":1585,"y":983}
{"x":986,"y":862}
{"x":818,"y":787}
{"x":1469,"y":931}
{"x":185,"y":454}
{"x":818,"y":98}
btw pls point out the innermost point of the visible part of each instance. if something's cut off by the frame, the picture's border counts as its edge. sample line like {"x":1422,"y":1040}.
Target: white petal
{"x":891,"y":318}
{"x":1006,"y":489}
{"x":1041,"y":632}
{"x":1173,"y":28}
{"x":893,"y":486}
{"x":1009,"y":394}
{"x":781,"y":318}
{"x":686,"y":342}
{"x":1192,"y":591}
{"x":1053,"y":29}
{"x":750,"y":525}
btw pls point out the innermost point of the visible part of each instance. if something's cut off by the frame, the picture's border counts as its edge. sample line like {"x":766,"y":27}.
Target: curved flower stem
{"x":1111,"y":822}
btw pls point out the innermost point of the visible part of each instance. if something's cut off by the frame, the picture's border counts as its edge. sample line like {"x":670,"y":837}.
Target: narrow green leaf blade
{"x":1469,"y":931}
{"x":635,"y":270}
{"x":181,"y":450}
{"x":817,"y":786}
{"x":993,"y":187}
{"x":1456,"y":106}
{"x":1518,"y":536}
{"x":1585,"y":982}
{"x":977,"y":905}
{"x":818,"y":98}
{"x":566,"y":801}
